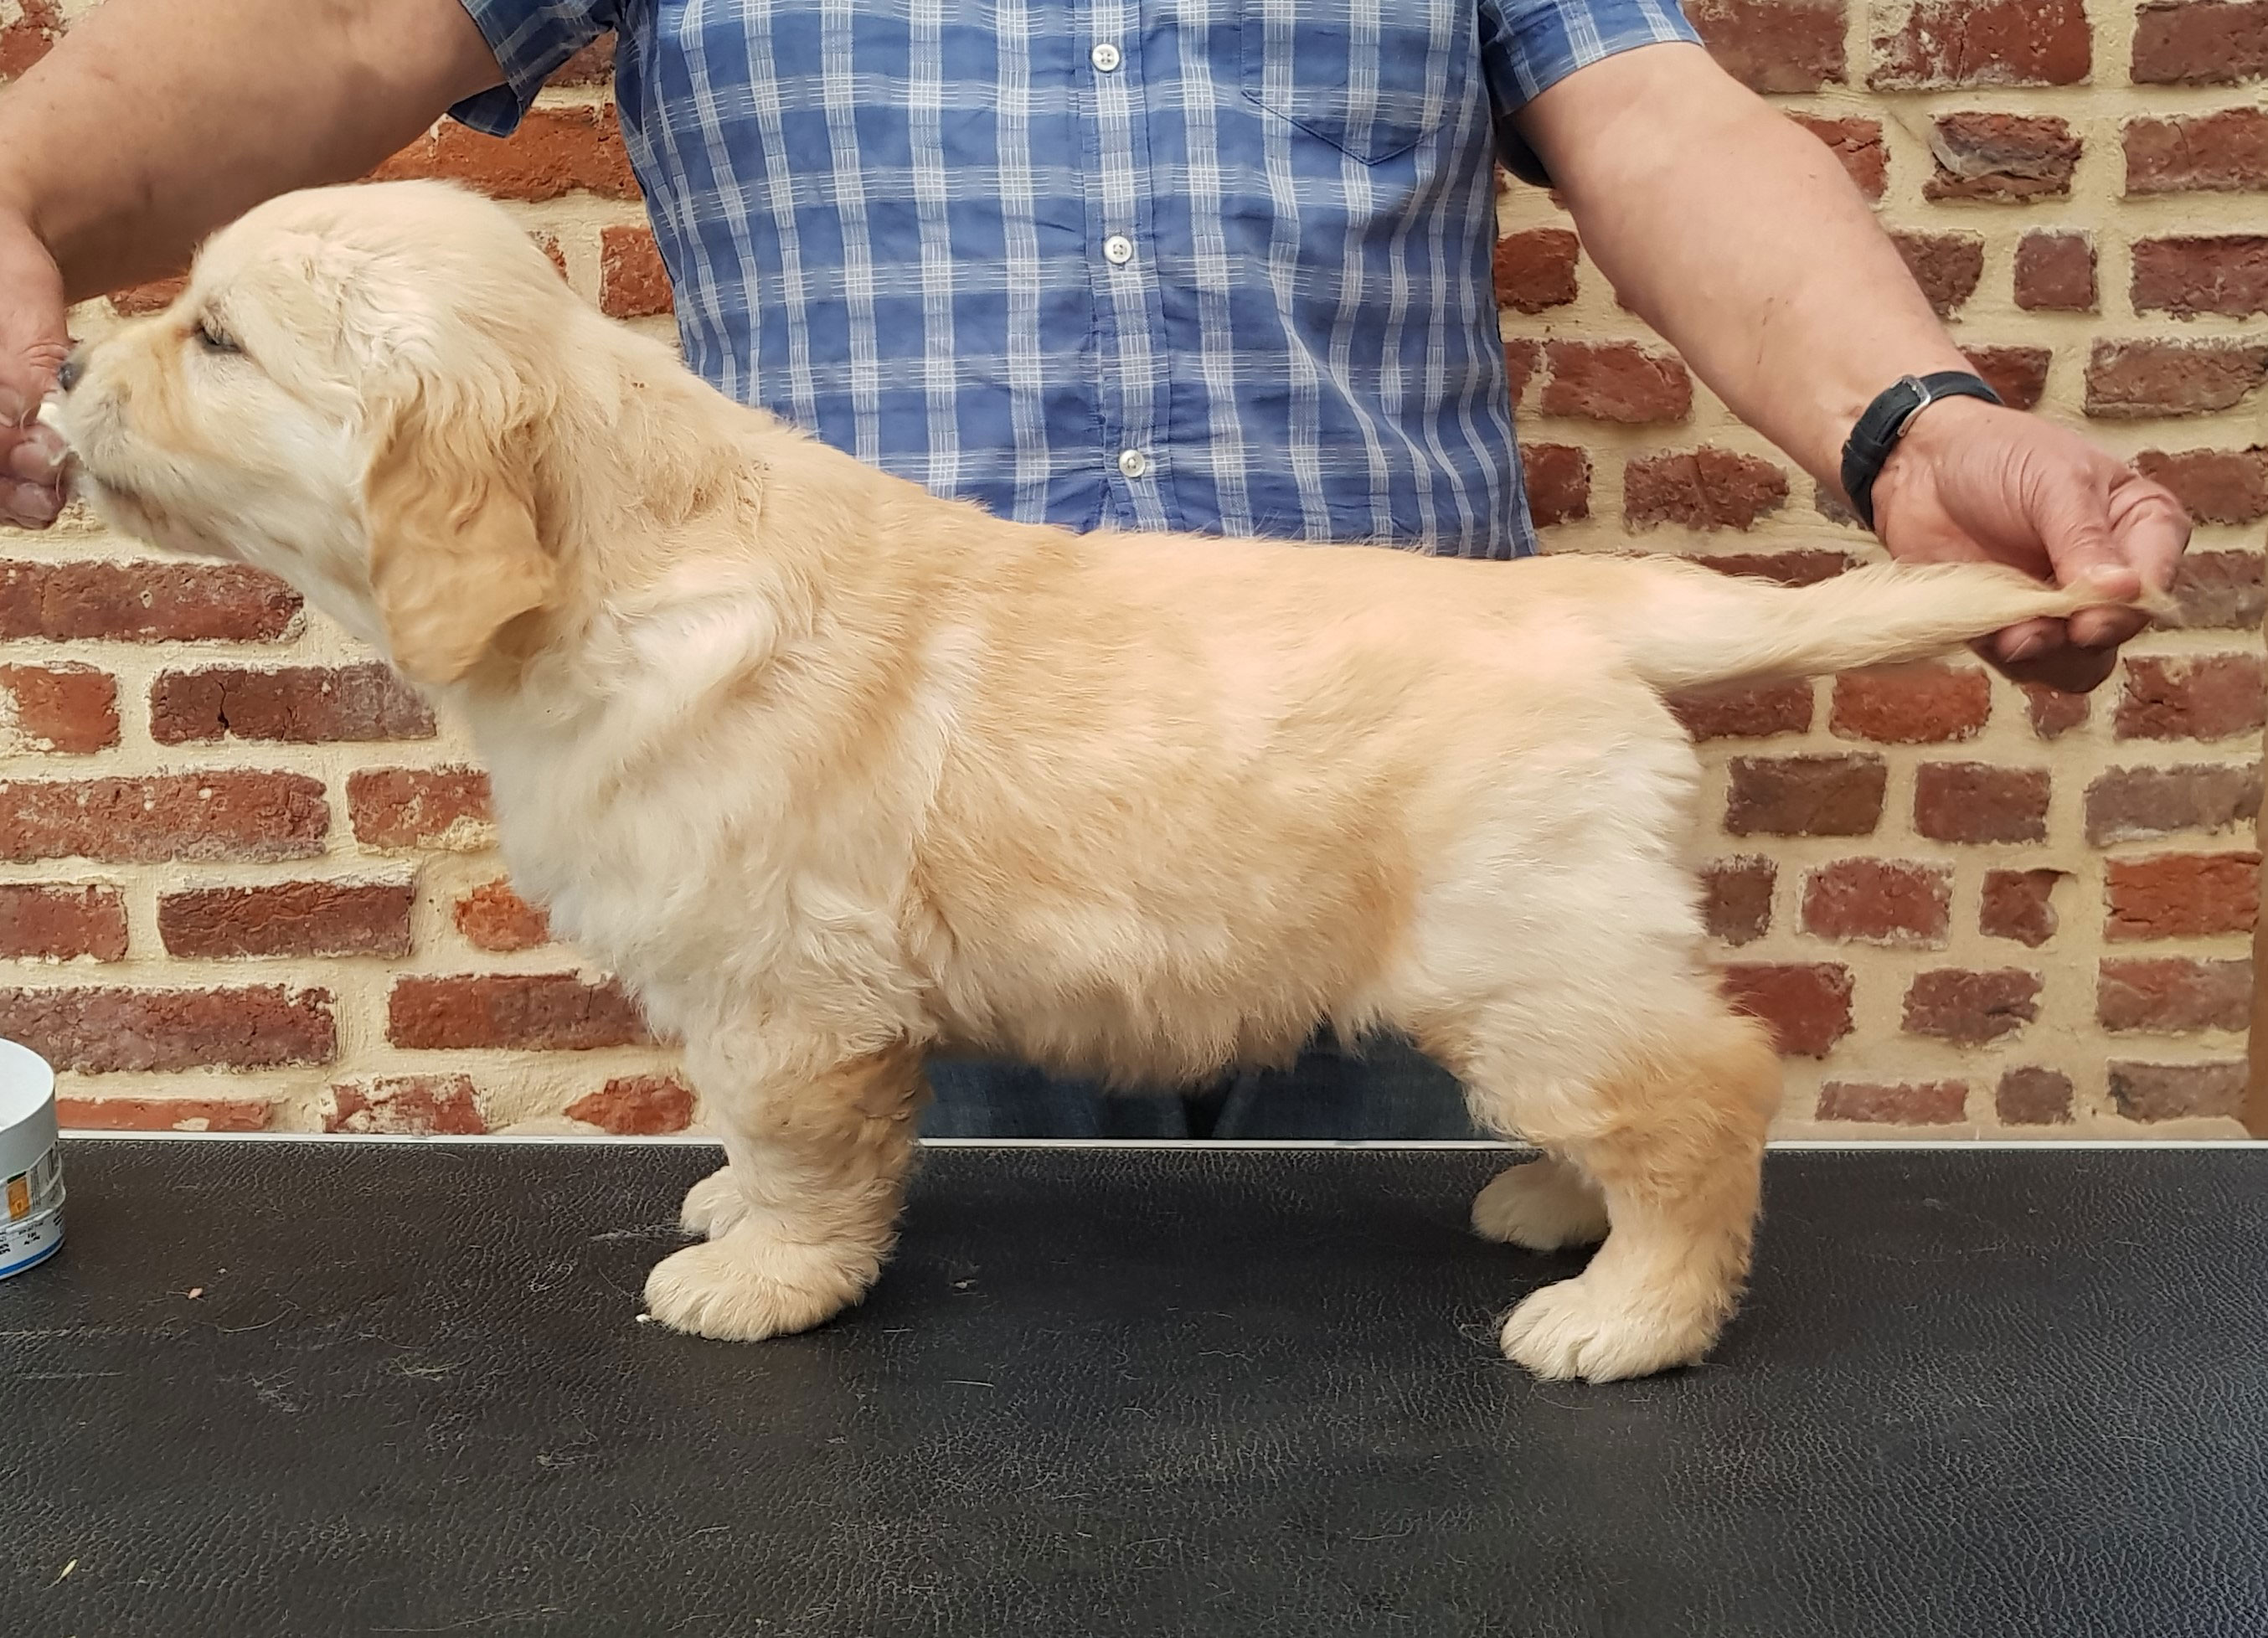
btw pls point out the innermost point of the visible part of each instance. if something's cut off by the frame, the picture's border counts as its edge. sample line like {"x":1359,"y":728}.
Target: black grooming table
{"x":1117,"y":1391}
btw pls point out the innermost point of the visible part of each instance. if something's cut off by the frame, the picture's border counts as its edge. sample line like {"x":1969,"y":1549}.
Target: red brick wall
{"x":1965,"y":907}
{"x":246,"y":877}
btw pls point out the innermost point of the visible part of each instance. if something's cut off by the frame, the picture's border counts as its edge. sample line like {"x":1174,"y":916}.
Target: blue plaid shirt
{"x":1211,"y":265}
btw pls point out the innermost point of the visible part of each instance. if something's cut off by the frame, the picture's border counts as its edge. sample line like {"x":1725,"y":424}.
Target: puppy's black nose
{"x":74,"y":366}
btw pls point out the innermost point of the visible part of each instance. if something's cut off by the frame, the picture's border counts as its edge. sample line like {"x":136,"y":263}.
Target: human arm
{"x":152,"y":123}
{"x":1740,"y":239}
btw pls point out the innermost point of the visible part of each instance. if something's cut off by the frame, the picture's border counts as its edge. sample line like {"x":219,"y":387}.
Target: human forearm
{"x":1739,"y":238}
{"x":153,"y":122}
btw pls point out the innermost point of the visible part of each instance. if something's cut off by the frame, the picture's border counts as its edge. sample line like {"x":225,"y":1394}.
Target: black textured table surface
{"x":1137,"y":1391}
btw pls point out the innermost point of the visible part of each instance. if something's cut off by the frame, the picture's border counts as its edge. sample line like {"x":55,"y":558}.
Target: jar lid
{"x":28,"y":1108}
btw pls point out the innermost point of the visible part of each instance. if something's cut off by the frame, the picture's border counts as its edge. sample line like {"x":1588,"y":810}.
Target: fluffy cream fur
{"x":836,"y":775}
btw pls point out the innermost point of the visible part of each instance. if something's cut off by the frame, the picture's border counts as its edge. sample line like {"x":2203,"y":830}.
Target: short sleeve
{"x":1529,"y":46}
{"x":531,"y":38}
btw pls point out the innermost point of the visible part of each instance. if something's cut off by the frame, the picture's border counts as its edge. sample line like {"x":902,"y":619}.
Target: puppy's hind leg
{"x":1670,"y":1134}
{"x":800,"y":1220}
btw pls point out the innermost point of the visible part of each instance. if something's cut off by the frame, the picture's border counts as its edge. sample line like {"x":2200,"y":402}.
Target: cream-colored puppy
{"x":835,"y":775}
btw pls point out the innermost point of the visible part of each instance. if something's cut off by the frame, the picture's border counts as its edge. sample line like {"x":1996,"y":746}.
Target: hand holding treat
{"x":32,"y":345}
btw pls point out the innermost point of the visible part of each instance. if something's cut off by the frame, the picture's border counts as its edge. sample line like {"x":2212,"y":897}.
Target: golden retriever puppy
{"x":835,"y":775}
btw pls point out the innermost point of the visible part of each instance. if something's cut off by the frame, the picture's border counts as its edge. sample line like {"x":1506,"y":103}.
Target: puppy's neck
{"x":701,"y":542}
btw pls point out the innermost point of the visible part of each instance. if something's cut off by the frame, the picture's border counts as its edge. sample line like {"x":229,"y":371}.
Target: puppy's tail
{"x":1683,"y":626}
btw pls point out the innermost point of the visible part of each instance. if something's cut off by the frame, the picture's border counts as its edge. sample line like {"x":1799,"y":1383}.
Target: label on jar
{"x":33,"y":1240}
{"x":40,"y":1189}
{"x":33,"y":1225}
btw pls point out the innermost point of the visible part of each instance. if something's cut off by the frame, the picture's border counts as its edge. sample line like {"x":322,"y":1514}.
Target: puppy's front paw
{"x":742,"y":1286}
{"x":712,"y":1205}
{"x":1544,"y":1206}
{"x":1578,"y":1329}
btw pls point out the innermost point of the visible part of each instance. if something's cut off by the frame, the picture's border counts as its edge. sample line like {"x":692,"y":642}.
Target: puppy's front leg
{"x":803,"y":1215}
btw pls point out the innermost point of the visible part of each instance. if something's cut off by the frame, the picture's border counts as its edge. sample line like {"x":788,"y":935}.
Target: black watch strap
{"x":1885,"y":422}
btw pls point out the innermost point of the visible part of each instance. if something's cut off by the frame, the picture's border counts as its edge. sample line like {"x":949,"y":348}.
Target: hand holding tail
{"x":1975,"y":483}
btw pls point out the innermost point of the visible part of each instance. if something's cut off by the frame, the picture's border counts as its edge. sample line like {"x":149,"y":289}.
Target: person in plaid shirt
{"x":1220,"y":265}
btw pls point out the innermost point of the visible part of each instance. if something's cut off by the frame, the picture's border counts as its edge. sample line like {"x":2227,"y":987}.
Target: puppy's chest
{"x":683,"y":885}
{"x":618,"y":875}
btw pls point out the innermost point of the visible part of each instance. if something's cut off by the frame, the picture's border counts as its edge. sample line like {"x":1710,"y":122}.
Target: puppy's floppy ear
{"x":454,"y":553}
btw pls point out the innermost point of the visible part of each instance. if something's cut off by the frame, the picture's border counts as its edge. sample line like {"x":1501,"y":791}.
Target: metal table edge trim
{"x":1796,"y":1145}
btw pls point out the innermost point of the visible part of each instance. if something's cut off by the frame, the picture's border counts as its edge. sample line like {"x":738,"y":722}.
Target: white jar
{"x":31,"y":1161}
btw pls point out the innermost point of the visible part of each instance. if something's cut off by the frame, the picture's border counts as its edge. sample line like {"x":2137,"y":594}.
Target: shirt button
{"x":1105,"y":57}
{"x":1133,"y":463}
{"x":1118,"y":249}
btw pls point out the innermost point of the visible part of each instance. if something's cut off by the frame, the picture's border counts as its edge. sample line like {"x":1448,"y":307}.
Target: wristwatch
{"x":1885,"y":422}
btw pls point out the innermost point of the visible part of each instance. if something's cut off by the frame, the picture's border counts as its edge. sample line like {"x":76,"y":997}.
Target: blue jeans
{"x":1387,"y":1092}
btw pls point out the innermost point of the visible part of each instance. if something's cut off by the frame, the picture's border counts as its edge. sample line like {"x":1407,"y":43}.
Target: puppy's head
{"x":352,"y":394}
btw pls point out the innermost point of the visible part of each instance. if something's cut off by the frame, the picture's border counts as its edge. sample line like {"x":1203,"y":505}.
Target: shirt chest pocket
{"x":1371,"y":77}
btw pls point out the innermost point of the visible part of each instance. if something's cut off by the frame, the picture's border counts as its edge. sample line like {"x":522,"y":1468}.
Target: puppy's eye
{"x":214,"y":341}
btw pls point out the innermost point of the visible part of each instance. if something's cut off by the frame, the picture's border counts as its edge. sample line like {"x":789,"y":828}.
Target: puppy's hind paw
{"x":712,"y":1206}
{"x":742,"y":1286}
{"x":1544,"y":1205}
{"x":1580,"y":1330}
